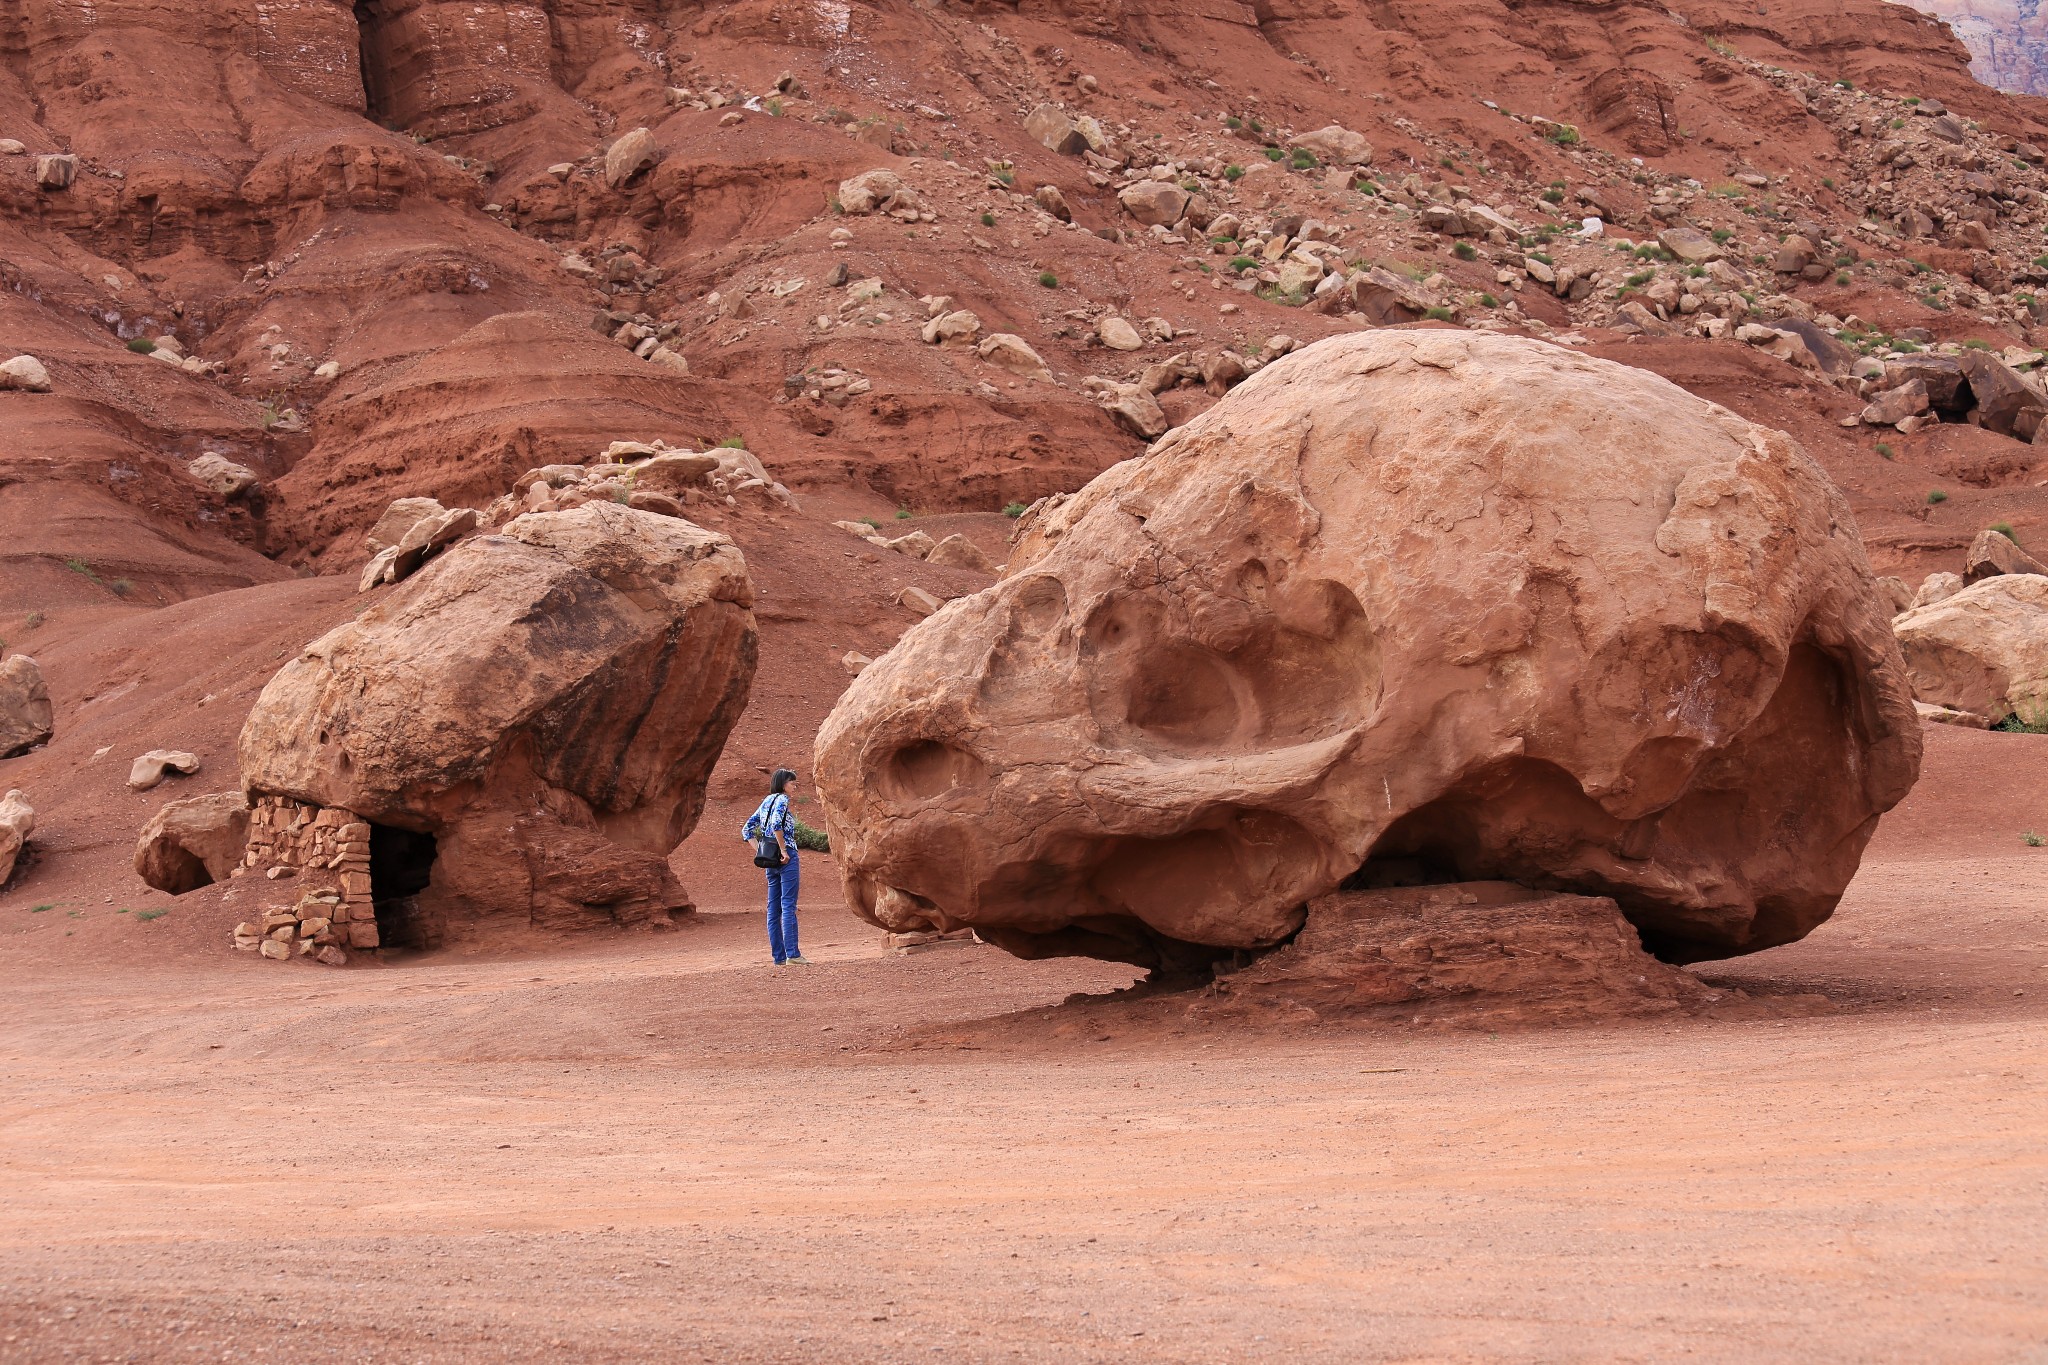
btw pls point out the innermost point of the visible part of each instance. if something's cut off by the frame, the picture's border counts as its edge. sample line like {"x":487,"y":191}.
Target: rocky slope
{"x":414,"y":248}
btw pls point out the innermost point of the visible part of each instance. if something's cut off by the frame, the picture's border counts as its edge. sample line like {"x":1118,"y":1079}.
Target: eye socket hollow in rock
{"x":927,"y":769}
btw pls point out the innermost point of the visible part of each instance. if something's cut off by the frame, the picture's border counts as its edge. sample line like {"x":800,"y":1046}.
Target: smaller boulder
{"x":1993,"y":553}
{"x":56,"y":171}
{"x":958,"y":552}
{"x":17,"y":822}
{"x":26,"y":716}
{"x":1893,"y":406}
{"x":1337,"y":146}
{"x":1053,"y":202}
{"x":399,"y":518}
{"x":631,"y":154}
{"x":193,"y":843}
{"x":155,"y":765}
{"x":919,"y":601}
{"x":1154,"y":202}
{"x":871,"y":192}
{"x":1689,"y":244}
{"x":674,"y":472}
{"x":917,"y":544}
{"x":1008,"y":351}
{"x":1984,"y":650}
{"x":222,"y":476}
{"x":1387,"y":299}
{"x":958,"y":327}
{"x":1051,"y":128}
{"x":1936,"y":587}
{"x":2004,"y":402}
{"x":24,"y":374}
{"x":1118,"y":334}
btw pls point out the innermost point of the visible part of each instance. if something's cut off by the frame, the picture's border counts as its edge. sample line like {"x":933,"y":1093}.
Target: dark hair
{"x":783,"y":777}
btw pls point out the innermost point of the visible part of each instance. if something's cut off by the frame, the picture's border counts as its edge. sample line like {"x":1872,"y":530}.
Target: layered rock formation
{"x":2007,"y":39}
{"x":523,"y":727}
{"x":1405,"y":607}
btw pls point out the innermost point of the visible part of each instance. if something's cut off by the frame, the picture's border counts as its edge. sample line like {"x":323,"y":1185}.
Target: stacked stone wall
{"x":322,"y":844}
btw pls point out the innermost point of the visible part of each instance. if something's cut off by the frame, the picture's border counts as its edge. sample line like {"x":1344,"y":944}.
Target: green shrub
{"x":1013,"y":510}
{"x":1233,"y":123}
{"x":988,"y":220}
{"x":1488,"y":301}
{"x":1440,"y":314}
{"x":1274,"y":154}
{"x":1884,"y":450}
{"x":147,"y":915}
{"x":2032,"y":840}
{"x":1723,"y":235}
{"x":1233,"y":173}
{"x":1465,"y":251}
{"x":903,"y":514}
{"x":1553,"y":196}
{"x":1048,"y":279}
{"x":1641,"y":278}
{"x":808,"y":839}
{"x":1304,"y":159}
{"x":1564,"y":135}
{"x":2004,"y":528}
{"x":2022,"y":722}
{"x":1843,"y":277}
{"x":142,"y":346}
{"x":1243,"y":265}
{"x":1936,"y":498}
{"x":82,"y":569}
{"x":733,"y":443}
{"x":1005,"y":174}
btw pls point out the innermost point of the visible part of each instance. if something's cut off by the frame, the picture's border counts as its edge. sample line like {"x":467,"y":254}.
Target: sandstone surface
{"x":480,"y":705}
{"x":26,"y":717}
{"x":17,"y":823}
{"x":193,"y":843}
{"x":1405,"y":606}
{"x":1983,"y":649}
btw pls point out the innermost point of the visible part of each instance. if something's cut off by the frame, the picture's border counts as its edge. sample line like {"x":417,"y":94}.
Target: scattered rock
{"x":56,"y":171}
{"x":1118,"y":334}
{"x":1154,"y":202}
{"x":1948,"y":715}
{"x":1311,"y":684}
{"x":17,"y":822}
{"x":399,"y":518}
{"x":1937,"y":587}
{"x":917,"y":544}
{"x":1983,"y":650}
{"x":221,"y":475}
{"x":1053,"y":129}
{"x":1690,"y":245}
{"x":1387,"y":299}
{"x":26,"y":716}
{"x":1993,"y":553}
{"x":959,"y":327}
{"x":1893,"y":406}
{"x":1053,"y":202}
{"x":1008,"y":351}
{"x":193,"y":843}
{"x":24,"y":373}
{"x":958,"y":552}
{"x":853,"y":661}
{"x":1337,"y":146}
{"x":919,"y":601}
{"x":155,"y":765}
{"x":2005,"y":404}
{"x":632,"y":153}
{"x":1132,"y":405}
{"x":876,"y":192}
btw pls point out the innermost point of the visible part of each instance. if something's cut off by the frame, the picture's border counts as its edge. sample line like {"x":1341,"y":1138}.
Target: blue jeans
{"x":782,"y":886}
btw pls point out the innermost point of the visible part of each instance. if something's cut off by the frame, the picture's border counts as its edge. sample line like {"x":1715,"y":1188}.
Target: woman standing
{"x":772,"y":829}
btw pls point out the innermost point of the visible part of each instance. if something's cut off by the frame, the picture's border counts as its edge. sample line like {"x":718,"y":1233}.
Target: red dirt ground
{"x":664,"y":1148}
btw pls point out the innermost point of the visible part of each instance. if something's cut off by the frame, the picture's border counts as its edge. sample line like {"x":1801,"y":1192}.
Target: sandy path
{"x":656,"y":1150}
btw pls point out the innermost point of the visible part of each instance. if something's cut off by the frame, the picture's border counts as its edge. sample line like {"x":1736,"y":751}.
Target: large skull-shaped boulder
{"x":1407,"y":606}
{"x":547,"y":702}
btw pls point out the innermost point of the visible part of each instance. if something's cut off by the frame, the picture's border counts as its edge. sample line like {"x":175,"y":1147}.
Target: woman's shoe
{"x":799,"y":961}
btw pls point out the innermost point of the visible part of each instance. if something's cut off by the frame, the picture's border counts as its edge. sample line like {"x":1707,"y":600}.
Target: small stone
{"x":155,"y":765}
{"x":57,"y":171}
{"x":271,"y":948}
{"x":1118,"y":334}
{"x":25,"y":374}
{"x":628,"y":156}
{"x":919,"y":601}
{"x":331,"y":956}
